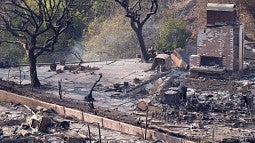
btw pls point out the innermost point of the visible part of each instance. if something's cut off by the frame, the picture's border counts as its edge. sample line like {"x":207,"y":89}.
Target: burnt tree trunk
{"x":139,"y":35}
{"x":138,"y":28}
{"x":29,"y":25}
{"x":33,"y":72}
{"x":138,"y":17}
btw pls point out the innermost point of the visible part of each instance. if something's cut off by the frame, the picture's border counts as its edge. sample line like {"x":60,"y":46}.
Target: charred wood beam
{"x":90,"y":98}
{"x":90,"y":93}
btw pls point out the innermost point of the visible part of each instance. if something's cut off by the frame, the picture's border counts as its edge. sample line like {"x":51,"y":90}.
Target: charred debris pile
{"x":40,"y":125}
{"x":202,"y":103}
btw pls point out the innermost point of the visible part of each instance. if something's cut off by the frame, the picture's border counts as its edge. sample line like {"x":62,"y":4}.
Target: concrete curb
{"x":89,"y":118}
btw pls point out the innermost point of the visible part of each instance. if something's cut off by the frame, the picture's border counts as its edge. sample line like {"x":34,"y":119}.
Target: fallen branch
{"x":29,"y":109}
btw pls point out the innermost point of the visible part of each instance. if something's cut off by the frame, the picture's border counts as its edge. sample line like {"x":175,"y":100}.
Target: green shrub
{"x":173,"y":34}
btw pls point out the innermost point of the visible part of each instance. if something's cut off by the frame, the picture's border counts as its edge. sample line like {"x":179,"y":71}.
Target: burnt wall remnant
{"x":220,"y":43}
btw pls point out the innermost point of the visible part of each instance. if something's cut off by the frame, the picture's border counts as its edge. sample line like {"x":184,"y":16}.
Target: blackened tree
{"x":36,"y":25}
{"x":139,"y":12}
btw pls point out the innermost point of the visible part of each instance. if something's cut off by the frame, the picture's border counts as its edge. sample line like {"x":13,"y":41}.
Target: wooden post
{"x":213,"y":135}
{"x":89,"y":133}
{"x":19,"y":77}
{"x":99,"y":132}
{"x":60,"y":88}
{"x":9,"y":74}
{"x":146,"y":125}
{"x":251,"y":117}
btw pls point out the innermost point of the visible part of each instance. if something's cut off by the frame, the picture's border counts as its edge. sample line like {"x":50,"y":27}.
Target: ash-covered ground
{"x":219,"y":110}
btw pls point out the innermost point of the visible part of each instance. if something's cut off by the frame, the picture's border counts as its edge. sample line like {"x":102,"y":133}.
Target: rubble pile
{"x":119,"y":87}
{"x":251,"y":66}
{"x":206,"y":84}
{"x":43,"y":125}
{"x":210,"y":108}
{"x":20,"y":123}
{"x":209,"y":105}
{"x":79,"y":68}
{"x":75,"y":69}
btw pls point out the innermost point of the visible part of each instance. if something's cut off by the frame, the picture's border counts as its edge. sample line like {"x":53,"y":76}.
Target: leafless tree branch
{"x":29,"y":23}
{"x":138,"y":16}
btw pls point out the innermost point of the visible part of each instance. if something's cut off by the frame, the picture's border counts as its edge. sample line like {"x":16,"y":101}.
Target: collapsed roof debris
{"x":22,"y":124}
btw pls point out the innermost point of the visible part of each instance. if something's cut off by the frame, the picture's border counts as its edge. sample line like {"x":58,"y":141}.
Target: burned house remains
{"x":220,"y":43}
